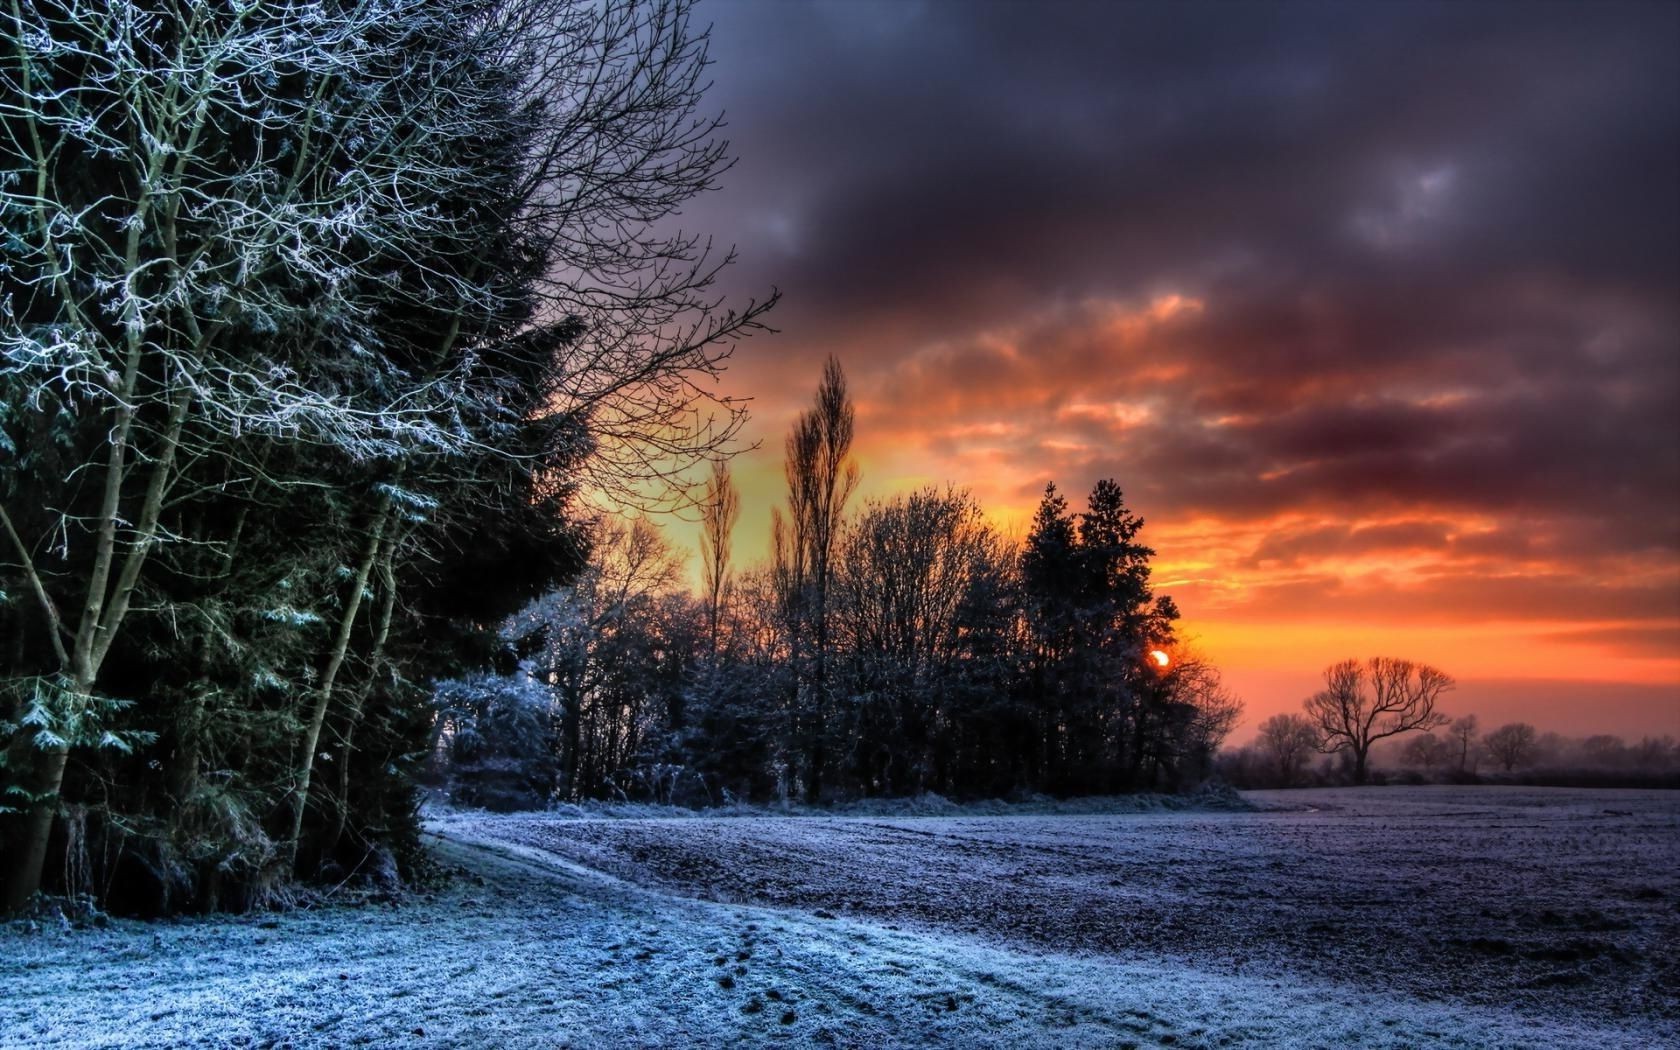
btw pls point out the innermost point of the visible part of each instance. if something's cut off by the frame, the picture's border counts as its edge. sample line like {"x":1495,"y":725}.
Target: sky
{"x":1373,"y":310}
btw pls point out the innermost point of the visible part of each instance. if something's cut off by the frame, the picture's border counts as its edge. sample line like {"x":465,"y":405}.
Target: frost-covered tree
{"x":615,"y":650}
{"x":493,"y":738}
{"x":199,"y":207}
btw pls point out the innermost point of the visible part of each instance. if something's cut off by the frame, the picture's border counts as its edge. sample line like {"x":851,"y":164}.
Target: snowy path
{"x":550,"y":952}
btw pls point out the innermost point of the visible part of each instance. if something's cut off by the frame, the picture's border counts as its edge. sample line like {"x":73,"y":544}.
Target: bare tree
{"x":1463,"y":733}
{"x":612,"y":90}
{"x":1511,"y":745}
{"x":1426,"y":751}
{"x":631,"y":568}
{"x":905,"y":573}
{"x":718,"y":513}
{"x":1287,"y":739}
{"x":1384,"y":697}
{"x":821,"y":477}
{"x":1212,"y":707}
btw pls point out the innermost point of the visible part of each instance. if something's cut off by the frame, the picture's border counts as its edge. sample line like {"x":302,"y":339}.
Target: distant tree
{"x":1363,"y":703}
{"x":1604,"y":750}
{"x":1287,"y":739}
{"x":1206,"y":711}
{"x":1464,"y":733}
{"x":1511,"y":745}
{"x":718,"y":514}
{"x":1426,"y":751}
{"x":1654,"y":753}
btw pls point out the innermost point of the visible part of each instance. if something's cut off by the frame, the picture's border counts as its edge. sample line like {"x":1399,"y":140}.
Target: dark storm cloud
{"x":915,"y":160}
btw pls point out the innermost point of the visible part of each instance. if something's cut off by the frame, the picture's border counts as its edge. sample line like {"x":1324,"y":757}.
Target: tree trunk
{"x":37,"y":828}
{"x":382,"y":632}
{"x":323,"y":693}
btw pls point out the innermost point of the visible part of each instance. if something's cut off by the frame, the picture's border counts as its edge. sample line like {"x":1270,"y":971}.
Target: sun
{"x":1160,"y":657}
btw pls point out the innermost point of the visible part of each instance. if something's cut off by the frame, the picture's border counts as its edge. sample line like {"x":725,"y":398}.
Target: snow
{"x":1378,"y":917}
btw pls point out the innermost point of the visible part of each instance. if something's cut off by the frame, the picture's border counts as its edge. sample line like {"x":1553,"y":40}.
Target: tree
{"x":821,"y":477}
{"x":1426,"y":751}
{"x":1463,"y":734}
{"x":1604,"y":751}
{"x":1105,"y":715}
{"x":905,"y":579}
{"x":592,"y":643}
{"x":204,"y":203}
{"x":1384,"y":697}
{"x":1287,"y":739}
{"x":1051,"y":589}
{"x":1202,"y":712}
{"x":718,"y":513}
{"x":1511,"y":745}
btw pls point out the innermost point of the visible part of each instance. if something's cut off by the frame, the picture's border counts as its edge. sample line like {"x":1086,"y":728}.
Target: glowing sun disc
{"x":1161,"y":659}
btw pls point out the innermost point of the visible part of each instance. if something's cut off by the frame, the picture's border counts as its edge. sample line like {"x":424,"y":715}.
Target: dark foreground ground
{"x":1380,"y":917}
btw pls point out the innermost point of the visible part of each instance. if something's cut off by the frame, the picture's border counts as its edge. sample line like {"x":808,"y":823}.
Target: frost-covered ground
{"x":1382,"y":917}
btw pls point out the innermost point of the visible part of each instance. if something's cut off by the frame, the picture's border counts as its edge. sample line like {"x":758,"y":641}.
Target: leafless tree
{"x":1213,"y":708}
{"x":718,"y":514}
{"x":905,"y":572}
{"x":1463,"y":733}
{"x":1287,"y":739}
{"x":821,"y":477}
{"x":1384,"y":697}
{"x":1511,"y":745}
{"x":631,"y":568}
{"x":614,"y":90}
{"x":1426,"y":751}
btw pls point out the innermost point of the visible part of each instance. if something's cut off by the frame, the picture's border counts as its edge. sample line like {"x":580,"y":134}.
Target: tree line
{"x":1384,"y":712}
{"x":896,"y":647}
{"x":316,"y":320}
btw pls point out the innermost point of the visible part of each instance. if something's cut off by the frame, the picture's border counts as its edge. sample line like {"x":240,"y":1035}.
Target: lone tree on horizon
{"x":1383,"y":697}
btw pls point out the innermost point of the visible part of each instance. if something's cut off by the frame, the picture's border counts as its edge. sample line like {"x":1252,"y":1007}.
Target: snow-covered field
{"x":1378,"y":917}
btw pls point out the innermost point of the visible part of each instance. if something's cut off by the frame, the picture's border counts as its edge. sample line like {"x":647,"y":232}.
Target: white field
{"x":1378,"y":917}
